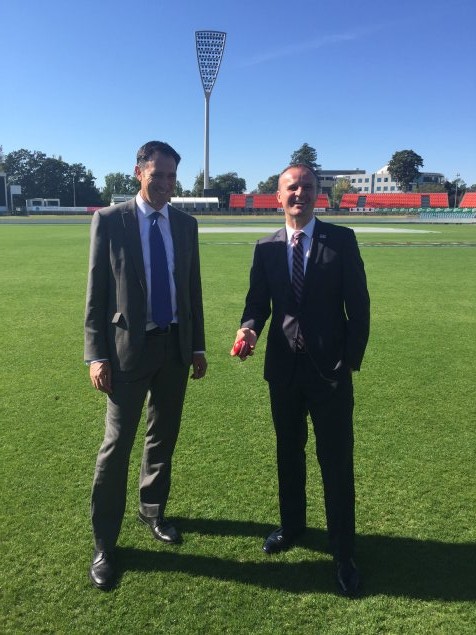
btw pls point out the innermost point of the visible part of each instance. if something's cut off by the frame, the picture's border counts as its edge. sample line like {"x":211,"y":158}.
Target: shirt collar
{"x":307,"y":229}
{"x":147,"y":210}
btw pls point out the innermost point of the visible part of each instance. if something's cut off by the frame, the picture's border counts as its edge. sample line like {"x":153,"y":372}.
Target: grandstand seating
{"x":395,"y":200}
{"x":468,"y":200}
{"x":322,"y":201}
{"x":349,"y":200}
{"x":237,"y":200}
{"x":265,"y":201}
{"x":269,"y":201}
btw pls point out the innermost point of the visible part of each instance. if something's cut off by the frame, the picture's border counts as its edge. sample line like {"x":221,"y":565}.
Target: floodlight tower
{"x":210,"y":46}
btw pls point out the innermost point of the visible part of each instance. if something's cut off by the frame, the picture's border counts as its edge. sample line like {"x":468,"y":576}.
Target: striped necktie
{"x":298,"y":264}
{"x":297,"y":280}
{"x":161,"y":301}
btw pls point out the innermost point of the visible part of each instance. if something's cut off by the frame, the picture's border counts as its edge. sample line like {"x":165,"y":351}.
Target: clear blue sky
{"x":357,"y":80}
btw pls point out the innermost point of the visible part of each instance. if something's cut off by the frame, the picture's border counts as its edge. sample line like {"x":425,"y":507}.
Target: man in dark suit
{"x":143,"y":330}
{"x":310,"y":277}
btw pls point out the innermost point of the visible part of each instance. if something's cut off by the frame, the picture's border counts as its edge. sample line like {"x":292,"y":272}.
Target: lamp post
{"x":74,"y":193}
{"x":210,"y":46}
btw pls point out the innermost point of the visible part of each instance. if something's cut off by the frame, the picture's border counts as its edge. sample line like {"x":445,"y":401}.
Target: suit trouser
{"x":162,"y":378}
{"x":330,"y":405}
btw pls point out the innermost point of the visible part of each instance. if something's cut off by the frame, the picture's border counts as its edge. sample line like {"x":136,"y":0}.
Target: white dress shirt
{"x":144,"y":210}
{"x":308,"y":231}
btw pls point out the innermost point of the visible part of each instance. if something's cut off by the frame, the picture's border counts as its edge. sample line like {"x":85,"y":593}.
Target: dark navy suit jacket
{"x":334,"y":313}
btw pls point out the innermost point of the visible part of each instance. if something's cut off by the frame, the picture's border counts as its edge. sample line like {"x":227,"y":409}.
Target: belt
{"x":160,"y":331}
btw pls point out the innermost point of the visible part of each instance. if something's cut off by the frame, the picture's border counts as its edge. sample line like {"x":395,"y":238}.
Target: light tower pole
{"x":210,"y":46}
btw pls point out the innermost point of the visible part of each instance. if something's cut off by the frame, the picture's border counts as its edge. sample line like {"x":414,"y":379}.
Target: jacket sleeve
{"x":258,"y":300}
{"x":95,"y":324}
{"x":196,"y":301}
{"x":357,"y":304}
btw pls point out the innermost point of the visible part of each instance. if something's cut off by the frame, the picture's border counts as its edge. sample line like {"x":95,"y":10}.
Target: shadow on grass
{"x":393,"y":566}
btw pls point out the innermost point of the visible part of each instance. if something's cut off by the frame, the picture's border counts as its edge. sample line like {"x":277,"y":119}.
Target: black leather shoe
{"x":102,"y":572}
{"x":348,"y":577}
{"x":162,"y":530}
{"x":280,"y":540}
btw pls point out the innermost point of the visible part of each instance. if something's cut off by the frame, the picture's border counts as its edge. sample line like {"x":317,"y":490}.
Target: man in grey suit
{"x":144,"y":328}
{"x":310,"y":277}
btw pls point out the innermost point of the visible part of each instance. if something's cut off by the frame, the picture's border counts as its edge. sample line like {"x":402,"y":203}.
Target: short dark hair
{"x":298,"y":165}
{"x":145,"y":152}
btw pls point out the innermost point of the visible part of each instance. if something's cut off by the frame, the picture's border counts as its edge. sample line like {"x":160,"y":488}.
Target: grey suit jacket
{"x":116,"y":300}
{"x":334,"y":313}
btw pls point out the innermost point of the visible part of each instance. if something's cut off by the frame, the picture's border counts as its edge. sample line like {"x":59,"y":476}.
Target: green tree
{"x":430,"y":187}
{"x":118,"y":183}
{"x":49,"y":177}
{"x":455,"y":189}
{"x":226,"y":184}
{"x":222,"y":184}
{"x":306,"y":155}
{"x":197,"y":189}
{"x":342,"y":186}
{"x":270,"y":186}
{"x":403,"y":168}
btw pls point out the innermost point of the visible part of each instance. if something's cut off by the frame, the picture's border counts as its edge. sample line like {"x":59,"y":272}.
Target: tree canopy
{"x":270,"y":186}
{"x":197,"y":189}
{"x":403,"y":168}
{"x":118,"y":183}
{"x":455,"y":189}
{"x":41,"y":176}
{"x":342,"y":186}
{"x":222,"y":184}
{"x":307,"y":155}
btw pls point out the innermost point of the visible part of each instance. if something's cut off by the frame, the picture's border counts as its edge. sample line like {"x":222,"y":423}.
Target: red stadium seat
{"x":468,"y":200}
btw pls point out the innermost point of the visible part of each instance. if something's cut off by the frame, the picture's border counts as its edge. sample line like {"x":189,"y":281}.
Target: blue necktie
{"x":161,"y":301}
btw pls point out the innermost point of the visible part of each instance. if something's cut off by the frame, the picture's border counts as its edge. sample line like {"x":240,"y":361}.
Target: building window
{"x":392,"y":189}
{"x":378,"y":189}
{"x":385,"y":188}
{"x":366,"y":180}
{"x":378,"y":180}
{"x":359,"y":180}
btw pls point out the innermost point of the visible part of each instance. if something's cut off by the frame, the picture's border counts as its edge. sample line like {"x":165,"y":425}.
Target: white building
{"x":378,"y":182}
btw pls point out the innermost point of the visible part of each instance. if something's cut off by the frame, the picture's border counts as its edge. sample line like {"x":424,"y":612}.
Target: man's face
{"x":297,"y":191}
{"x":157,"y":178}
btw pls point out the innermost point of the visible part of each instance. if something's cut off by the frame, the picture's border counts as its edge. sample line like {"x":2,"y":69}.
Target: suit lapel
{"x":179,"y":240}
{"x":318,"y":241}
{"x":281,"y":267}
{"x":132,"y":239}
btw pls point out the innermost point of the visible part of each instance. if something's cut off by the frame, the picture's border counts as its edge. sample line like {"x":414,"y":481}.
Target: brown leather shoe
{"x":162,"y":530}
{"x":102,"y":572}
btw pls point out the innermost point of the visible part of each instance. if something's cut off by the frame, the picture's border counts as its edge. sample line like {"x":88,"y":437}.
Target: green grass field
{"x":415,"y":441}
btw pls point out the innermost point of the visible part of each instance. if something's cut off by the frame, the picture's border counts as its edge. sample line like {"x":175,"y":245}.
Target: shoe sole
{"x":154,"y":535}
{"x":102,"y":587}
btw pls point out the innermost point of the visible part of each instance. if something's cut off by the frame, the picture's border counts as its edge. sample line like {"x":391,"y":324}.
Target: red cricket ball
{"x":241,"y":348}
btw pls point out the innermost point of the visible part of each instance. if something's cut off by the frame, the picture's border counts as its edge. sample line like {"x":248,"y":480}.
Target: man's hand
{"x":199,"y":365}
{"x":244,"y":344}
{"x":101,"y":376}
